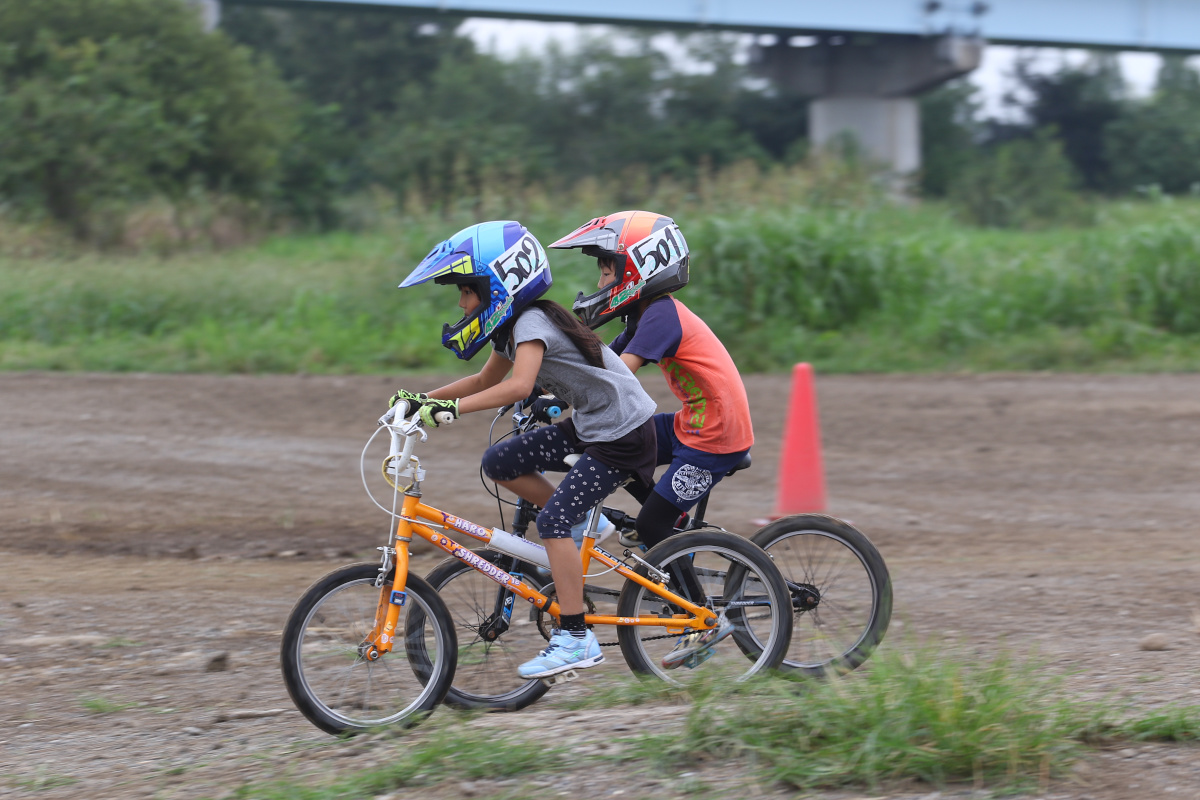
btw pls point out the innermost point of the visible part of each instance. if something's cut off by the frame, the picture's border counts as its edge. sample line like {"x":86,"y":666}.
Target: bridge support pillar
{"x":888,"y":129}
{"x":866,"y":86}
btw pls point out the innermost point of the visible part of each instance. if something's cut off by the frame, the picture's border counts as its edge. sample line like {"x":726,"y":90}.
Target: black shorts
{"x":636,"y":451}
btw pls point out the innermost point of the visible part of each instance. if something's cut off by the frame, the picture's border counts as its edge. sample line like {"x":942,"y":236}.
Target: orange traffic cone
{"x":801,"y":473}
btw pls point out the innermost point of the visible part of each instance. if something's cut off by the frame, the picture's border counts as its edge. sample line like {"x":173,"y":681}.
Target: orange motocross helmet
{"x":651,"y":256}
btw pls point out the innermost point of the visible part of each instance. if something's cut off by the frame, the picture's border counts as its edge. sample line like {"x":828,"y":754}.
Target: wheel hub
{"x":493,"y":628}
{"x":805,"y":597}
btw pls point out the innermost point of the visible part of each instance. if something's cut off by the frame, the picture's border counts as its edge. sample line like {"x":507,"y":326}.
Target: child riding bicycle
{"x":501,"y":272}
{"x":643,"y":258}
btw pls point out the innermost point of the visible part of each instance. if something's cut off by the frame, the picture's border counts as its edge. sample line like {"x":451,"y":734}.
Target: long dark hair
{"x":584,"y":338}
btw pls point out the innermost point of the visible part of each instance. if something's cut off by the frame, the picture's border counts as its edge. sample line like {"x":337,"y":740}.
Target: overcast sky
{"x":508,"y":37}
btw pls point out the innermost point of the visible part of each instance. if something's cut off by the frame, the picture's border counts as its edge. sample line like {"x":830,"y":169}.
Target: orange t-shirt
{"x":715,"y":417}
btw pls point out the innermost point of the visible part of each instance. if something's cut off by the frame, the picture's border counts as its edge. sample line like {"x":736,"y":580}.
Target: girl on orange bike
{"x":501,"y":271}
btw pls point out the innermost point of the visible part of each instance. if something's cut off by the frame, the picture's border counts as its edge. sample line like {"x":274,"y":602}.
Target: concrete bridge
{"x":863,"y":62}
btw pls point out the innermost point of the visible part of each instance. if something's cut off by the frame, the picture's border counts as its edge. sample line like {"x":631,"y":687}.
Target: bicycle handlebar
{"x":400,"y":410}
{"x":402,"y":426}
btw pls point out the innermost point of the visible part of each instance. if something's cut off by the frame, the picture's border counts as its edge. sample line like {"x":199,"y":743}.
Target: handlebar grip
{"x":553,"y":412}
{"x":443,"y":417}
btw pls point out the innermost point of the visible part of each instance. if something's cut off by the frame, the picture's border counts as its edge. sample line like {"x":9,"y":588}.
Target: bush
{"x":950,"y":135}
{"x":1026,"y":183}
{"x":1161,"y":269}
{"x":1157,"y":143}
{"x":113,"y":100}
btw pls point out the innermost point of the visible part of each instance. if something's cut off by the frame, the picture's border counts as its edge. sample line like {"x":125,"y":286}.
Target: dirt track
{"x":159,"y":523}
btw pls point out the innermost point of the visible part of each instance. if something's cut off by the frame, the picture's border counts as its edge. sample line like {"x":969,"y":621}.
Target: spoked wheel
{"x":495,"y":632}
{"x":334,"y":675}
{"x":841,"y":594}
{"x":726,"y":573}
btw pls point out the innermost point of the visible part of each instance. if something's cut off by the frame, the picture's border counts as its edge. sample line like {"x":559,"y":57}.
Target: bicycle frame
{"x":416,"y":518}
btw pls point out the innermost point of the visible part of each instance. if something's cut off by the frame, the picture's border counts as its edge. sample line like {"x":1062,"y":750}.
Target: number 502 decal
{"x":520,"y":264}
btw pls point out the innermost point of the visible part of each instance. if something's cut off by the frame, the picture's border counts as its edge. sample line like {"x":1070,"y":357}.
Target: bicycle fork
{"x":392,"y":597}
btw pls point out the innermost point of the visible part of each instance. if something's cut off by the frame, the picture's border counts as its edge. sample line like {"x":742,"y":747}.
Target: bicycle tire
{"x":326,"y":628}
{"x":730,"y":570}
{"x":840,"y":588}
{"x":486,"y":674}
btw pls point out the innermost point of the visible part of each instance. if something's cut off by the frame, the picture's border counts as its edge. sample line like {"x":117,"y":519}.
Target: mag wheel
{"x":841,"y":594}
{"x":729,"y":575}
{"x":496,"y":633}
{"x":324,"y":655}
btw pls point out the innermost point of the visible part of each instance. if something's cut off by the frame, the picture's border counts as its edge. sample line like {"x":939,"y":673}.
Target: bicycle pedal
{"x":696,"y":659}
{"x":562,"y":677}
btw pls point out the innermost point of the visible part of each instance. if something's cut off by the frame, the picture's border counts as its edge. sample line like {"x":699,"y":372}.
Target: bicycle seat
{"x":741,"y":465}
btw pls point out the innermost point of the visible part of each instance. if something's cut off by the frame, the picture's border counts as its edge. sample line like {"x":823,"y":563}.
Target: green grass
{"x":631,"y":692}
{"x":43,"y":780}
{"x":119,"y":641}
{"x":849,"y":285}
{"x":452,"y":751}
{"x":95,"y":704}
{"x":927,"y":717}
{"x":1171,"y":724}
{"x":924,"y":714}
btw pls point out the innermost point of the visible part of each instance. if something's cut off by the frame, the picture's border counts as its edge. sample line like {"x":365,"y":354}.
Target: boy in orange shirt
{"x":643,"y":258}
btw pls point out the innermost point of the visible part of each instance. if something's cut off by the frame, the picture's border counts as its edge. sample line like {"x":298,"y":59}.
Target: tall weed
{"x":1025,"y":183}
{"x":920,"y":715}
{"x":1160,"y":268}
{"x":871,"y":286}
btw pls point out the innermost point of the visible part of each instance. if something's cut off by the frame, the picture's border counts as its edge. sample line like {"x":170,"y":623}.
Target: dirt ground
{"x":155,"y":531}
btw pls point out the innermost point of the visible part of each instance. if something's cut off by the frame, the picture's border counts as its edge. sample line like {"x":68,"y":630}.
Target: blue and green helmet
{"x":506,"y":266}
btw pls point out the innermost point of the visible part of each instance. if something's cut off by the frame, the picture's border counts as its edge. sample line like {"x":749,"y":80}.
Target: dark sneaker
{"x":693,"y":649}
{"x":630,"y":539}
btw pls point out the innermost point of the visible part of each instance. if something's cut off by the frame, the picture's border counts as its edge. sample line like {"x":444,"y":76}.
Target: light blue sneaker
{"x":564,"y":652}
{"x":604,"y":529}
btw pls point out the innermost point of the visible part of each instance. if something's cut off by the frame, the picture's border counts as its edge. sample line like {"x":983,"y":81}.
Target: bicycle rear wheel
{"x":841,"y":594}
{"x":323,"y":662}
{"x":733,"y":577}
{"x":495,"y":635}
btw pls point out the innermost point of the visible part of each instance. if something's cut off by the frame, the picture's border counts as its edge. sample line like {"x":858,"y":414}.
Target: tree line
{"x":104,"y":103}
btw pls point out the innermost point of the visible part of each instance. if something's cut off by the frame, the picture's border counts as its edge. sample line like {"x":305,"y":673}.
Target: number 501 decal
{"x":659,"y":250}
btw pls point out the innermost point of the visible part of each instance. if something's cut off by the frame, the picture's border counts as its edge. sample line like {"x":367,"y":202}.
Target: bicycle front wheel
{"x":495,"y":635}
{"x":725,"y":573}
{"x":325,"y":642}
{"x":841,"y":594}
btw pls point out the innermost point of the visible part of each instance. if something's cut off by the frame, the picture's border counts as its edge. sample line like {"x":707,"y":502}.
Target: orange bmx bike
{"x":372,"y":644}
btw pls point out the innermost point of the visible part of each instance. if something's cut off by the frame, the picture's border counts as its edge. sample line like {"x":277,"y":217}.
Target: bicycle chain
{"x":592,"y":610}
{"x":644,"y":639}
